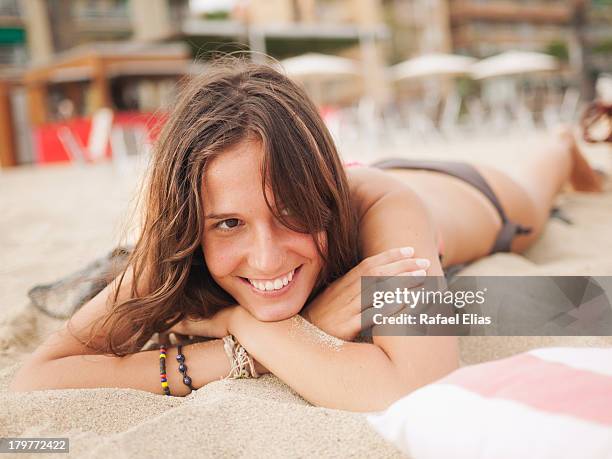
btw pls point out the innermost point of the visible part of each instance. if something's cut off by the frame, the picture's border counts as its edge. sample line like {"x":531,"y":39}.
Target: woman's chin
{"x":273,"y":313}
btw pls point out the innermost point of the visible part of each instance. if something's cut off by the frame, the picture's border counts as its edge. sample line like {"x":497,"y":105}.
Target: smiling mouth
{"x":273,"y":286}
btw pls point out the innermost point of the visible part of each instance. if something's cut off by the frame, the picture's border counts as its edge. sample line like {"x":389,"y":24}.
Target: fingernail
{"x":420,"y":272}
{"x":407,"y":251}
{"x":422,"y":262}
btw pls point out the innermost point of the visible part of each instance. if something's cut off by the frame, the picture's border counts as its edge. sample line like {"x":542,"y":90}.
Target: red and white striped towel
{"x":546,"y":403}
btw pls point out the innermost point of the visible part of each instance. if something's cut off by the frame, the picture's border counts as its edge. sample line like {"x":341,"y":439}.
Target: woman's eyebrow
{"x":215,"y":216}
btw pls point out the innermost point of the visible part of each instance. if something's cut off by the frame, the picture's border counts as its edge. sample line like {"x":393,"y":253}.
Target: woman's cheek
{"x":221,"y":256}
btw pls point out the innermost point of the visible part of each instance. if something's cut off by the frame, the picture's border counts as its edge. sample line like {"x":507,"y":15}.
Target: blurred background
{"x":85,"y":80}
{"x":85,"y":84}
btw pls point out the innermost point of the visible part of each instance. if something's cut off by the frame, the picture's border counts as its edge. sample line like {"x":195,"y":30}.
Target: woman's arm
{"x":63,"y":361}
{"x":333,"y":374}
{"x":206,"y":362}
{"x":392,"y":215}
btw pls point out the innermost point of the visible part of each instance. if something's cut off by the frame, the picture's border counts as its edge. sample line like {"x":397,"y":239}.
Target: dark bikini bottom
{"x":469,"y":174}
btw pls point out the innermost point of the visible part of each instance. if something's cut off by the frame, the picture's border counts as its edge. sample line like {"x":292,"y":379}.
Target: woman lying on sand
{"x":251,"y":223}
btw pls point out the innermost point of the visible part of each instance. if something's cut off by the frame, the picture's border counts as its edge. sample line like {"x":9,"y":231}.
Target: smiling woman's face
{"x":268,"y":268}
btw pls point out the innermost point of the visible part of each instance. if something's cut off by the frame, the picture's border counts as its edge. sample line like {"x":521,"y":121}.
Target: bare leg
{"x":582,"y":177}
{"x":527,"y":191}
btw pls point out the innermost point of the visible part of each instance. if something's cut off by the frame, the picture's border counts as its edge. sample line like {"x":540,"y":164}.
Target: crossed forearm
{"x":323,"y":370}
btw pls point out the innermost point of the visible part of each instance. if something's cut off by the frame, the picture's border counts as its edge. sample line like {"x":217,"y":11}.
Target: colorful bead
{"x":162,"y":369}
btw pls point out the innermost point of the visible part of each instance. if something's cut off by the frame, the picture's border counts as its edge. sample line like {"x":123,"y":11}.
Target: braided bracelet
{"x":241,"y":363}
{"x":180,"y":358}
{"x":162,"y":368}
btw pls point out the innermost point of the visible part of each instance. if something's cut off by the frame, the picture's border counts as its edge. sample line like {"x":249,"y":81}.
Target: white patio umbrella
{"x":318,"y":71}
{"x":319,"y":66}
{"x":425,"y":68}
{"x":513,"y":63}
{"x":432,"y":65}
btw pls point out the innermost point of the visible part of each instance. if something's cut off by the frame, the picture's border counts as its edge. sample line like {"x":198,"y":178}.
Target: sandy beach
{"x":56,"y":219}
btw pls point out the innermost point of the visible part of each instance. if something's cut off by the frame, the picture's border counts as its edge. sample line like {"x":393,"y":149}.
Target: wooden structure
{"x":8,"y":157}
{"x":96,"y":64}
{"x":92,"y":66}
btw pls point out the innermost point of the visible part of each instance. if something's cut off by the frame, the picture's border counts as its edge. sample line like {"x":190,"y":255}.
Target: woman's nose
{"x":267,"y":253}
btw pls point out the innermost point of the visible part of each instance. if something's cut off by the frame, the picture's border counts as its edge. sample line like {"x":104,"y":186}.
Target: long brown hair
{"x":234,"y":99}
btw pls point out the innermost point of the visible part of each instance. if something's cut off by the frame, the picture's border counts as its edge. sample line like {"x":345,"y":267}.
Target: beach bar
{"x":130,"y":80}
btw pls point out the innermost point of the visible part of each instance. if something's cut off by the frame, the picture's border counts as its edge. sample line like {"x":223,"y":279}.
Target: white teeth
{"x":275,"y":284}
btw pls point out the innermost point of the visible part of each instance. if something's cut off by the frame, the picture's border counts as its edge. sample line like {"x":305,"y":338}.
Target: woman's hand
{"x":216,"y":326}
{"x":337,"y":310}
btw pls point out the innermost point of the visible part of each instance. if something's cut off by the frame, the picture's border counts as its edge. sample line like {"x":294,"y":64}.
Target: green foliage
{"x":221,"y":15}
{"x":603,"y":47}
{"x":207,"y":48}
{"x":281,"y":48}
{"x":558,"y":49}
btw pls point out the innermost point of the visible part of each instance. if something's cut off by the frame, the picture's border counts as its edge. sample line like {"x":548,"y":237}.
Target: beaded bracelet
{"x":180,"y":358}
{"x":162,"y":368}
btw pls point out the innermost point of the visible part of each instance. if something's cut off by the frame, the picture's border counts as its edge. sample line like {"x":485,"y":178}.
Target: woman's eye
{"x":228,"y":224}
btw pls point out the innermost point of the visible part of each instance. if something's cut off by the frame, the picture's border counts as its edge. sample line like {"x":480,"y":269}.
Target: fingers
{"x":419,"y":273}
{"x":409,"y":265}
{"x":386,"y":257}
{"x":351,"y":295}
{"x":346,"y":293}
{"x":372,"y":266}
{"x":365,"y":313}
{"x":394,"y":262}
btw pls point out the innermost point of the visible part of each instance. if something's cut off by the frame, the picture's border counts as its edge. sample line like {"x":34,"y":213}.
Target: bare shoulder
{"x":369,"y":185}
{"x":391,"y":214}
{"x":67,"y":340}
